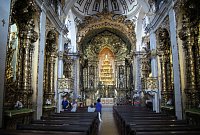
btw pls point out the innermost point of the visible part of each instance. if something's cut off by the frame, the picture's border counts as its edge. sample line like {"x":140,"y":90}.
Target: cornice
{"x":160,"y":16}
{"x":52,"y":16}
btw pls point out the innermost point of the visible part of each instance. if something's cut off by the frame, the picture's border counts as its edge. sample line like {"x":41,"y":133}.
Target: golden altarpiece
{"x":189,"y":32}
{"x":166,"y":67}
{"x":20,"y":69}
{"x":106,"y":45}
{"x":190,"y":36}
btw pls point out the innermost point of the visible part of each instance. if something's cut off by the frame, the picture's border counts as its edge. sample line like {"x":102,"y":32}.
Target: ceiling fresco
{"x":90,"y":7}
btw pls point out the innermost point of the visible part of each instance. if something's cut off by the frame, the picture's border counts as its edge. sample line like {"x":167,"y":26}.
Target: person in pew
{"x":98,"y":109}
{"x":65,"y":104}
{"x":74,"y":106}
{"x":91,"y":108}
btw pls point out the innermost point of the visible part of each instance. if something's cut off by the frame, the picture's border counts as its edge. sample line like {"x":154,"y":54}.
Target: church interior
{"x":141,"y":58}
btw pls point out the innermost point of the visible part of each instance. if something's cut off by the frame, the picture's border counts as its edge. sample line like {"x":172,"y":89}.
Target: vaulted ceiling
{"x":83,"y":8}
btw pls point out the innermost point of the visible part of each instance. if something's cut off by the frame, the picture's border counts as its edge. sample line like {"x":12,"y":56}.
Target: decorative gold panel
{"x":109,"y":21}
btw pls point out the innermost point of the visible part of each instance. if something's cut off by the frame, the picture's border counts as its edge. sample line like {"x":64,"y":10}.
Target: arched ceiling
{"x":84,"y":8}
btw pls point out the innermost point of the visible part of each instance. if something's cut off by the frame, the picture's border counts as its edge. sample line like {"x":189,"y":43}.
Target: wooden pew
{"x":139,"y":121}
{"x":85,"y":129}
{"x":35,"y":132}
{"x":143,"y":128}
{"x":85,"y":123}
{"x":169,"y":133}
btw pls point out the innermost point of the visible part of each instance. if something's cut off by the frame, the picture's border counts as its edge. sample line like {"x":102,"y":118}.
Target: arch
{"x":106,"y":50}
{"x":95,"y":32}
{"x":107,"y":21}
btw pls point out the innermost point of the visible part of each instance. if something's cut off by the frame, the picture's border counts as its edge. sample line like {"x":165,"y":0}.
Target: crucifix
{"x":3,"y":21}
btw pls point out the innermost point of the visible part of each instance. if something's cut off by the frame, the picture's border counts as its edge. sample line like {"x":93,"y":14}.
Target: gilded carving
{"x":189,"y":34}
{"x":22,"y":14}
{"x":110,"y":21}
{"x":165,"y":55}
{"x":152,"y":83}
{"x":50,"y":58}
{"x":106,"y":39}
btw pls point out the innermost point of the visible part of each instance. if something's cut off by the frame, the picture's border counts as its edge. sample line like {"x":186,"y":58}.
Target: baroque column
{"x":166,"y":65}
{"x":51,"y":54}
{"x":27,"y":37}
{"x":185,"y":36}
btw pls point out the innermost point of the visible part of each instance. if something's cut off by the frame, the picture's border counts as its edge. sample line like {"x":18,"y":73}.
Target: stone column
{"x":76,"y":67}
{"x":137,"y":73}
{"x":4,"y":23}
{"x":154,"y":71}
{"x":176,"y":68}
{"x":60,"y":70}
{"x":41,"y":64}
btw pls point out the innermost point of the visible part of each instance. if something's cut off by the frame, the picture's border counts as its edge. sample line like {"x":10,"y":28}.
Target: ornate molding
{"x":159,"y":16}
{"x":106,"y":40}
{"x":153,"y":53}
{"x":60,"y":55}
{"x":163,"y":39}
{"x":109,"y":21}
{"x":152,"y":83}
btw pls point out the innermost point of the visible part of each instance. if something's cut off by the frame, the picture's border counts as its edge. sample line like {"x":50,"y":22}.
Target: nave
{"x":117,"y":120}
{"x":140,"y":52}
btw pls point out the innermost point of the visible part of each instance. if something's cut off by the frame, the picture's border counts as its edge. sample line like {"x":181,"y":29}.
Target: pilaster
{"x":4,"y":24}
{"x":154,"y":72}
{"x":41,"y":64}
{"x":176,"y":68}
{"x":76,"y":67}
{"x":59,"y":70}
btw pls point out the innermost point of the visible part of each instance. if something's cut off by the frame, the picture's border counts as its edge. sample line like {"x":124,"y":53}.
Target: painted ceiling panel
{"x":90,"y":7}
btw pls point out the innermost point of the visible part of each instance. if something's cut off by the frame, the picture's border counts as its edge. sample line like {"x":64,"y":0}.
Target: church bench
{"x":155,"y":122}
{"x":61,"y":122}
{"x":75,"y":114}
{"x":126,"y":121}
{"x":133,"y":130}
{"x":85,"y":129}
{"x":93,"y":123}
{"x":36,"y":132}
{"x":169,"y":133}
{"x":67,"y":118}
{"x":70,"y":118}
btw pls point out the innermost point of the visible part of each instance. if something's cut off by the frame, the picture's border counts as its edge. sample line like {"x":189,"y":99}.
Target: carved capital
{"x":23,"y":12}
{"x":152,"y":83}
{"x":60,"y":55}
{"x":163,"y":37}
{"x":28,"y":35}
{"x":153,"y":53}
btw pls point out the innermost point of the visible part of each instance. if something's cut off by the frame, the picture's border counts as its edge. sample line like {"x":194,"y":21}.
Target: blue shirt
{"x":98,"y":107}
{"x":64,"y":104}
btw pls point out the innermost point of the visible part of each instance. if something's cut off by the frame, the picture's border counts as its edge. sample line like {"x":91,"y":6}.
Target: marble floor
{"x":108,"y":126}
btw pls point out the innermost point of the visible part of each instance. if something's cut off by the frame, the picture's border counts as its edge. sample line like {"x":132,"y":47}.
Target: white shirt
{"x":74,"y":106}
{"x":90,"y":109}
